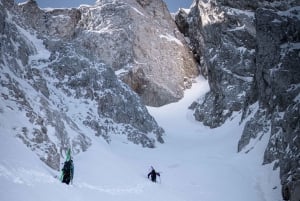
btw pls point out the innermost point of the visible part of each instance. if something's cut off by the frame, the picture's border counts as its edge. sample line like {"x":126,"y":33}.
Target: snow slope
{"x":196,"y":164}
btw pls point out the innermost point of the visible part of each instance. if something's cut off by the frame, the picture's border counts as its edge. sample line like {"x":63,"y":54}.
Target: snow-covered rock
{"x":250,"y":52}
{"x":223,"y":40}
{"x":138,"y":39}
{"x":52,"y":88}
{"x":277,"y":81}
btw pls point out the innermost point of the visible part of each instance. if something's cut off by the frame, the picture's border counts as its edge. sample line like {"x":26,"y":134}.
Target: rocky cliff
{"x":61,"y":72}
{"x":138,"y":39}
{"x":141,"y":42}
{"x":250,"y":52}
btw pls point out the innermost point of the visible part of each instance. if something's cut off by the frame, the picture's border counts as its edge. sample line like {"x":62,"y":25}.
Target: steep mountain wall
{"x":250,"y":52}
{"x":223,"y":40}
{"x":138,"y":39}
{"x":57,"y":90}
{"x":277,"y":82}
{"x":141,"y":42}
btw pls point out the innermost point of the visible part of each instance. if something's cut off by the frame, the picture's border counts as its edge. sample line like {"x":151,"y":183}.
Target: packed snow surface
{"x":196,"y":164}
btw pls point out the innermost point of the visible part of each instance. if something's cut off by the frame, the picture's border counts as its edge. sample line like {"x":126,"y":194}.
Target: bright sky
{"x":173,"y":5}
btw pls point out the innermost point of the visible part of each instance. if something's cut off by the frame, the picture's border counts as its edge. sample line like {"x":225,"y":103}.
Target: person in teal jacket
{"x":68,"y":169}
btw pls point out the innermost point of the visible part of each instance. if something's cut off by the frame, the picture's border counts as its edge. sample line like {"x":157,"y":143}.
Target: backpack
{"x":68,"y":166}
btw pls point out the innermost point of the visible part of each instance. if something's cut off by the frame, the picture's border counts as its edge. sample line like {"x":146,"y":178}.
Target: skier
{"x":153,"y":174}
{"x":68,"y":169}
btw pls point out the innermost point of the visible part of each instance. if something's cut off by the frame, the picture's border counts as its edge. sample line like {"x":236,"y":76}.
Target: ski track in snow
{"x":113,"y":190}
{"x":196,"y":164}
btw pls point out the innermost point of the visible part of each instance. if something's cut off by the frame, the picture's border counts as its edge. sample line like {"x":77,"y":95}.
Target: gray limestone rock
{"x":223,"y":41}
{"x":142,"y":44}
{"x":265,"y":71}
{"x":61,"y":86}
{"x":277,"y":82}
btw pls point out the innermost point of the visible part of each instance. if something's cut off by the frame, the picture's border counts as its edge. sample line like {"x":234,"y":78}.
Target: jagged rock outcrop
{"x":140,"y":41}
{"x":276,"y":87}
{"x":142,"y":44}
{"x":277,"y":81}
{"x":223,"y":41}
{"x":250,"y":51}
{"x":58,"y":90}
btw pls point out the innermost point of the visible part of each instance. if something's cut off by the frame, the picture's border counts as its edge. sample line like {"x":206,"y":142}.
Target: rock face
{"x":250,"y":52}
{"x":140,"y":41}
{"x":58,"y":79}
{"x":223,"y":41}
{"x":142,"y":44}
{"x":277,"y":81}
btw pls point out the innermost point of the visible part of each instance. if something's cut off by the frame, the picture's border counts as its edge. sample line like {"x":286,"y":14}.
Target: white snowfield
{"x":196,"y":164}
